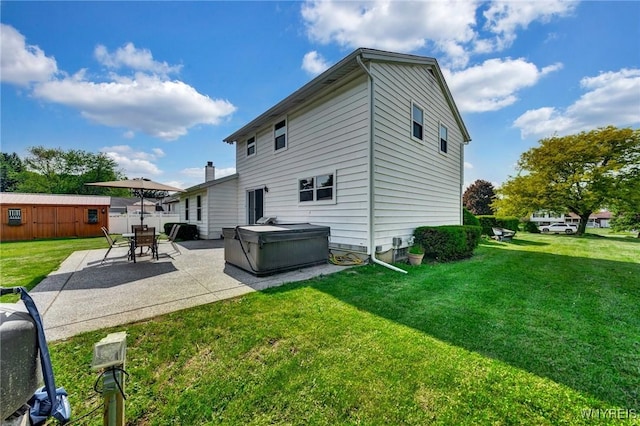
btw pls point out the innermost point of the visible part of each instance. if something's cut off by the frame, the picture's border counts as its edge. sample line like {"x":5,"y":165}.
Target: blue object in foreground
{"x":47,"y":401}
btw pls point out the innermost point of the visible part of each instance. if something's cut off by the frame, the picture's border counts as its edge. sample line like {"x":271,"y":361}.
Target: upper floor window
{"x":417,"y":120}
{"x":316,"y":188}
{"x":251,"y":146}
{"x":444,"y":137}
{"x":280,"y":135}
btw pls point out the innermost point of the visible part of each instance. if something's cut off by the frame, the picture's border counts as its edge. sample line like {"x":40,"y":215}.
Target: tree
{"x":55,"y":171}
{"x":478,"y":197}
{"x":11,"y":168}
{"x":580,"y":173}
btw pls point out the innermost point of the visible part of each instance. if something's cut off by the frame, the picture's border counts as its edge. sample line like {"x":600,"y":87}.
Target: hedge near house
{"x":447,"y":243}
{"x":469,"y":218}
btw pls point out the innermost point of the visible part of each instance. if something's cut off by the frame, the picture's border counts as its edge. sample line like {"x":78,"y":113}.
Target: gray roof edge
{"x":211,"y":183}
{"x":325,"y":78}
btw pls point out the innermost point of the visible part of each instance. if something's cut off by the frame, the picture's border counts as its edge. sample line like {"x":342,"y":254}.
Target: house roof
{"x":336,"y":72}
{"x":53,"y":199}
{"x":208,"y":184}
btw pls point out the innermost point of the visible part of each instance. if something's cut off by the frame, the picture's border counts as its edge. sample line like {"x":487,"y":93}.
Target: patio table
{"x":131,"y":236}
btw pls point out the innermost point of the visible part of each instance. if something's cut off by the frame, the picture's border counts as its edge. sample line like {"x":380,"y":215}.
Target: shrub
{"x":447,"y":243}
{"x":186,"y":232}
{"x":531,"y":227}
{"x":469,"y":218}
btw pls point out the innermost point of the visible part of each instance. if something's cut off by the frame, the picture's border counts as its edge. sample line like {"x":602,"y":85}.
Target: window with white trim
{"x":251,"y":146}
{"x":186,"y":209}
{"x":316,"y":188}
{"x":417,"y":121}
{"x":199,"y":208}
{"x":444,"y":138}
{"x":280,"y":135}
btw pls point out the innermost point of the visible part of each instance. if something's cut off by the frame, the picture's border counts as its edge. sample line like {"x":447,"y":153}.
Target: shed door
{"x":44,"y":222}
{"x":255,"y":205}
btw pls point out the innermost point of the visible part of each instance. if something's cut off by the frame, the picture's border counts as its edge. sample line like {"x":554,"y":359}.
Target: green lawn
{"x":544,"y":330}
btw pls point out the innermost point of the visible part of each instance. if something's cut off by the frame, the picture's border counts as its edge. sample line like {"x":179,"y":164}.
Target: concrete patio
{"x":85,"y":294}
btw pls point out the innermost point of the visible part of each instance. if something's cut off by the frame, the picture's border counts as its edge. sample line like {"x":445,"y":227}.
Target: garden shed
{"x":32,"y":216}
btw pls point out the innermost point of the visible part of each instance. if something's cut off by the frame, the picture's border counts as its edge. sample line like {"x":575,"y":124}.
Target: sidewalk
{"x":85,"y":295}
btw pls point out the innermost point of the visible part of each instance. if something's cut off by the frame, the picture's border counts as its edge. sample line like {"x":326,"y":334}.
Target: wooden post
{"x":109,"y":354}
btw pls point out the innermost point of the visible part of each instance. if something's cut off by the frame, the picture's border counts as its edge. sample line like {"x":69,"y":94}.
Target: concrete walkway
{"x":85,"y":295}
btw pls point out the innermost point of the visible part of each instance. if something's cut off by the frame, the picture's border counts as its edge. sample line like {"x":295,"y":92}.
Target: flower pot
{"x":415,"y":259}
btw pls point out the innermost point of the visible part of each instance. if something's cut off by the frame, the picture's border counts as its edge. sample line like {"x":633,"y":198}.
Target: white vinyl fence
{"x":121,"y":223}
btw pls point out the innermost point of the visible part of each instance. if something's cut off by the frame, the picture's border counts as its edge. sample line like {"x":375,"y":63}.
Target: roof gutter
{"x":372,"y":248}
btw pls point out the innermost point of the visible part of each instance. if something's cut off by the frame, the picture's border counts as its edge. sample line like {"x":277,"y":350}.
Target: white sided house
{"x":373,"y":148}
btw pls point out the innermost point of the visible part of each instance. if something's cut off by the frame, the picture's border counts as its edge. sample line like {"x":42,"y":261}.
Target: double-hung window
{"x":186,"y":209}
{"x":417,"y":121}
{"x":280,"y":135}
{"x":316,"y":188}
{"x":199,"y":208}
{"x":251,"y":146}
{"x":444,"y":138}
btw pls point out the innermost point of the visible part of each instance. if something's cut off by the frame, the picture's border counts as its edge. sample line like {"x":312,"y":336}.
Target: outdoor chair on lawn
{"x":173,"y":234}
{"x":112,"y":243}
{"x":145,"y":238}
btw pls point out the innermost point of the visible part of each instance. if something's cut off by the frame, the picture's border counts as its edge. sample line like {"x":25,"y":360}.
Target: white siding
{"x":222,"y":207}
{"x":328,"y":136}
{"x":415,"y":184}
{"x":193,"y":215}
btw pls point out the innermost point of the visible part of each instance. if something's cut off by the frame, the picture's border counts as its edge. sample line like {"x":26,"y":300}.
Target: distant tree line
{"x":56,"y":171}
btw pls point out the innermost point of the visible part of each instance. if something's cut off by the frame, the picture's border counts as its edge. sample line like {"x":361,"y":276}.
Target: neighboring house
{"x":596,"y":220}
{"x":31,"y":216}
{"x":544,"y":217}
{"x":373,"y":148}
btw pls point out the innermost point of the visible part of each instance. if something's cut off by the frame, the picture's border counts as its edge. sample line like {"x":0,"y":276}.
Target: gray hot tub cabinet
{"x":269,"y":249}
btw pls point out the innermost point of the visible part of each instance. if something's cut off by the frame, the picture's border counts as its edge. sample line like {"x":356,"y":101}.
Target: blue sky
{"x":158,"y":85}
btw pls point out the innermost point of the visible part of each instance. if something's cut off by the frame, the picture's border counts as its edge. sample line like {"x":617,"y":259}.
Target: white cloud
{"x":20,"y":63}
{"x":451,"y":28}
{"x":392,"y":25}
{"x":148,"y":104}
{"x":494,"y":84}
{"x":128,"y":56}
{"x":505,"y":18}
{"x":146,"y":101}
{"x":611,"y":99}
{"x":134,"y":163}
{"x":314,"y":63}
{"x":468,"y":165}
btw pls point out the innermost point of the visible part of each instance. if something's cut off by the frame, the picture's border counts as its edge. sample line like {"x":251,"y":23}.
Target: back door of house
{"x":255,"y":205}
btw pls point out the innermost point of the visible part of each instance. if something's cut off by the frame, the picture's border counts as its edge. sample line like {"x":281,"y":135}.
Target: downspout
{"x":372,"y":248}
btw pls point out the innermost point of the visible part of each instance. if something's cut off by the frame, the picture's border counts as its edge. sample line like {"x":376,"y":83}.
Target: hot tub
{"x":269,"y":249}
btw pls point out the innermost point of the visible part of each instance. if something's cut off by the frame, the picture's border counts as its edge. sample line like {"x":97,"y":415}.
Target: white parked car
{"x":558,"y":228}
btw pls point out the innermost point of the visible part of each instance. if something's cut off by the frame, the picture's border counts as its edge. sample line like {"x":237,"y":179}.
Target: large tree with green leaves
{"x":11,"y":168}
{"x":478,"y":197}
{"x":579,"y":173}
{"x":55,"y":171}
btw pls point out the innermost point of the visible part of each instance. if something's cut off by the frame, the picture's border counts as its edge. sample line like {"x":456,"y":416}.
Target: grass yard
{"x":544,"y":330}
{"x":26,"y":263}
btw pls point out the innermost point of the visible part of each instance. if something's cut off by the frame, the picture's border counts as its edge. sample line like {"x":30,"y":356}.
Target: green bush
{"x":447,"y":243}
{"x":469,"y":218}
{"x":531,"y":227}
{"x":489,"y":221}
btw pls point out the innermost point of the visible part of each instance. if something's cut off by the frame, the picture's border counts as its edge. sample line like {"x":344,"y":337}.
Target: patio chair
{"x":134,"y":227}
{"x":145,"y":238}
{"x":173,"y":234}
{"x":112,"y":243}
